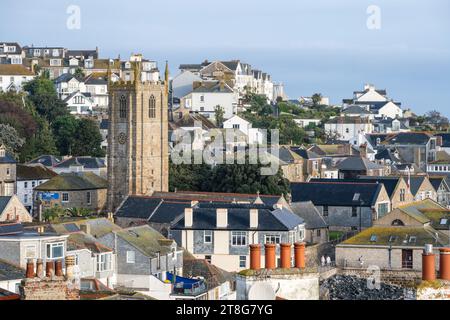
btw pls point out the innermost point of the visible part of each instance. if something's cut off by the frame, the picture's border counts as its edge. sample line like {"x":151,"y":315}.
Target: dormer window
{"x":443,"y":221}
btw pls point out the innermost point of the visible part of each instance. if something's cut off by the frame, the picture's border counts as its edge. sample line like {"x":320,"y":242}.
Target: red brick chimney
{"x":269,"y":255}
{"x":428,"y":264}
{"x":255,"y":256}
{"x":444,"y":264}
{"x":299,"y":254}
{"x":285,"y":252}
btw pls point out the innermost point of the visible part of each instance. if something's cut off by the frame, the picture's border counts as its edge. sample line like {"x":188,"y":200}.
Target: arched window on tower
{"x":123,"y":107}
{"x":152,"y":107}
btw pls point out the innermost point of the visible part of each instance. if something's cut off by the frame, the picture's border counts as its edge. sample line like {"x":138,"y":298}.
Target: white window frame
{"x":62,"y":197}
{"x":51,"y":246}
{"x":209,"y":234}
{"x":106,"y":264}
{"x":239,"y":238}
{"x":131,"y":256}
{"x":272,"y":238}
{"x":242,"y":259}
{"x":88,"y":197}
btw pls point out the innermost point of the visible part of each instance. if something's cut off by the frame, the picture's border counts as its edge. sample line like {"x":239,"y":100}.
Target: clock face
{"x":122,"y":138}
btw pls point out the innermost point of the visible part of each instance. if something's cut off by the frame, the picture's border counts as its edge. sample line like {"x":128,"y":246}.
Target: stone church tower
{"x":138,"y":155}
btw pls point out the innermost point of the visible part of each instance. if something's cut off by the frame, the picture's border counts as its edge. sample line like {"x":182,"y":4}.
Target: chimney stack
{"x":253,"y":218}
{"x":285,"y":252}
{"x":86,"y":228}
{"x":49,"y":269}
{"x":428,"y":264}
{"x":30,"y":269}
{"x":255,"y":256}
{"x":39,"y":268}
{"x":221,"y":218}
{"x":444,"y":264}
{"x":299,"y":254}
{"x":269,"y":255}
{"x":58,"y":268}
{"x":70,"y":262}
{"x":188,"y":217}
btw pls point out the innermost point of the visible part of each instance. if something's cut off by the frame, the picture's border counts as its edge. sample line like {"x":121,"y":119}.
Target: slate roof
{"x":269,"y":200}
{"x":387,"y":154}
{"x":437,"y":181}
{"x":46,"y":160}
{"x":9,"y":271}
{"x":445,"y":139}
{"x":213,"y":275}
{"x":81,"y":240}
{"x":146,"y":239}
{"x":73,"y":94}
{"x":73,"y":182}
{"x":305,"y":154}
{"x":408,"y":138}
{"x":214,"y":88}
{"x":86,"y":162}
{"x":309,"y":213}
{"x":65,"y":77}
{"x":287,"y":155}
{"x":34,"y":172}
{"x":10,"y":228}
{"x":137,"y":207}
{"x":358,"y":163}
{"x":335,"y":194}
{"x":98,"y":227}
{"x":4,"y":200}
{"x":424,"y":235}
{"x":355,"y":109}
{"x":7,"y":159}
{"x":95,"y":80}
{"x":204,"y":218}
{"x":415,"y":183}
{"x":390,"y":183}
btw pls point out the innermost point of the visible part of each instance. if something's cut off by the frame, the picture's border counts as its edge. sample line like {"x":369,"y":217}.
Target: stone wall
{"x":48,"y":289}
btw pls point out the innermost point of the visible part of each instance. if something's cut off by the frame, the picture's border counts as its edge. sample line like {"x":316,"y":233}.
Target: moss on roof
{"x":73,"y":182}
{"x":424,"y":235}
{"x":147,"y":240}
{"x":14,"y":70}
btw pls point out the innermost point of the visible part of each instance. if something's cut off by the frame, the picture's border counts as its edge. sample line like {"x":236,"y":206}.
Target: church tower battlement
{"x":138,"y":155}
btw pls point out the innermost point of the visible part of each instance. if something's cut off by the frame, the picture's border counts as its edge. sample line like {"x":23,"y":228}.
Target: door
{"x":407,"y":258}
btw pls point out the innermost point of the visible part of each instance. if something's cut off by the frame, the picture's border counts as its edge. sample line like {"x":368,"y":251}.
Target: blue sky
{"x":311,"y":46}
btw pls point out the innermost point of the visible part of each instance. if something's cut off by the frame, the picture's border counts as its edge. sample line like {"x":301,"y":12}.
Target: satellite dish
{"x":261,"y":291}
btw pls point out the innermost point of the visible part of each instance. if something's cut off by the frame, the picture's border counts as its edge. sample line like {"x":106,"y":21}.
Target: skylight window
{"x":373,"y":238}
{"x":412,"y":239}
{"x":443,"y":221}
{"x":356,"y":196}
{"x":392,"y":238}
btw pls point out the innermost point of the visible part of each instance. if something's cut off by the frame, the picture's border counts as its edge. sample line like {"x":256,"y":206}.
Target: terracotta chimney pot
{"x":444,"y":264}
{"x":255,"y":256}
{"x":269,"y":255}
{"x":39,"y":268}
{"x":49,"y":268}
{"x":58,"y":268}
{"x":299,"y":254}
{"x":285,"y":252}
{"x":30,"y":269}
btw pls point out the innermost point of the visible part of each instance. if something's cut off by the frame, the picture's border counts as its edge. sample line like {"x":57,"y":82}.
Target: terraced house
{"x":221,"y":232}
{"x":397,"y":240}
{"x":72,"y":190}
{"x":345,"y":206}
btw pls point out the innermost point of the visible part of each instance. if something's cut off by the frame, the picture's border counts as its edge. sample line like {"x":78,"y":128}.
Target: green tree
{"x":79,"y":74}
{"x":65,"y":131}
{"x":10,"y":139}
{"x":316,"y":98}
{"x":43,"y":94}
{"x":87,"y":140}
{"x":53,"y":214}
{"x":219,"y":113}
{"x":79,"y":212}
